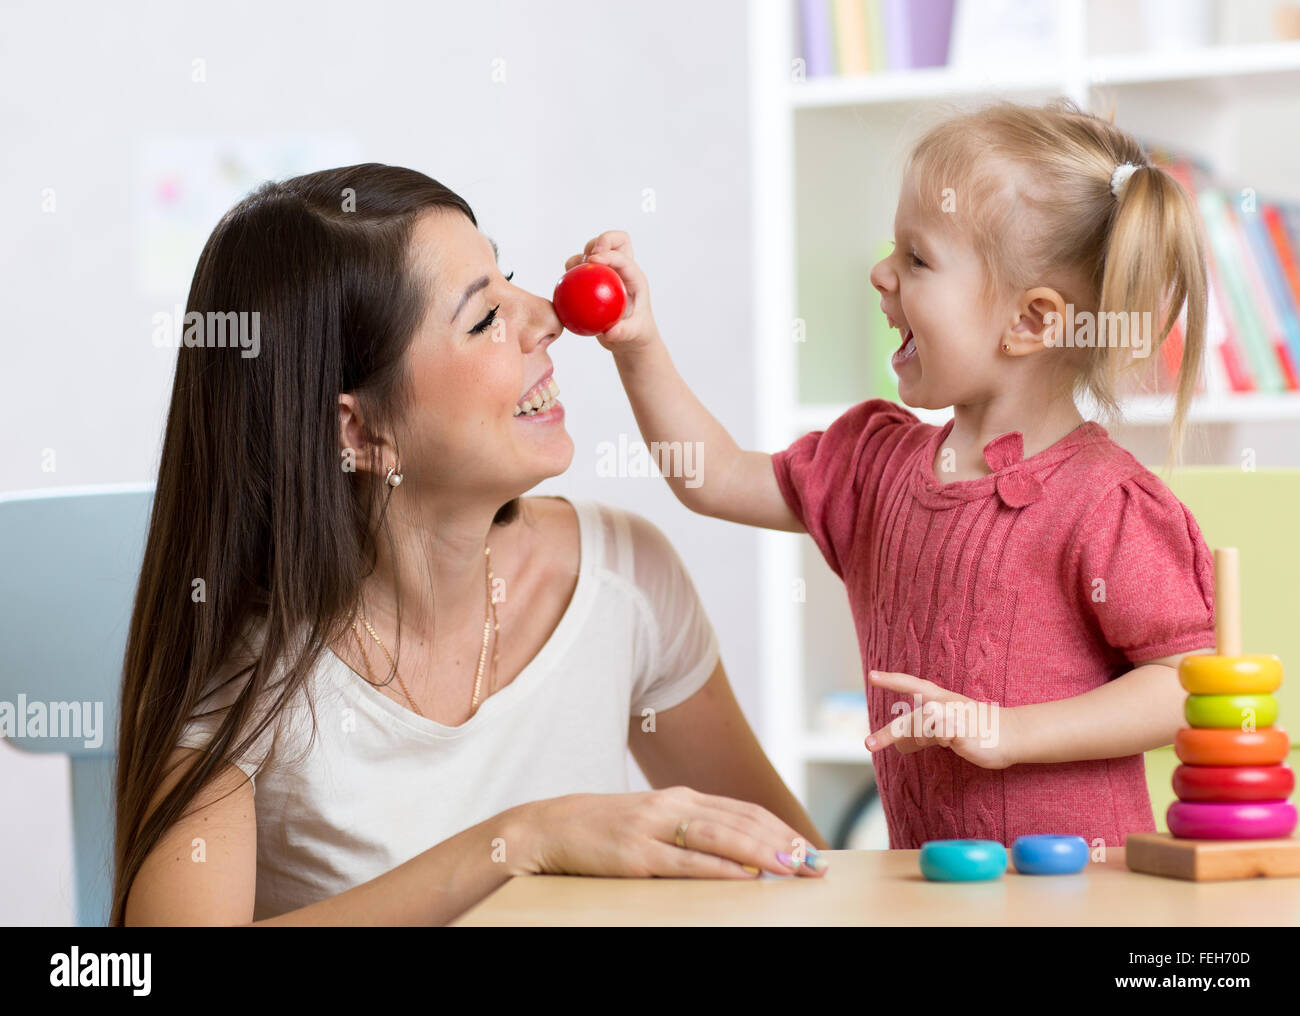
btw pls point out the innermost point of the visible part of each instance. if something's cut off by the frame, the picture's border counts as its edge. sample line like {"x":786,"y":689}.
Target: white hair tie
{"x":1120,"y":177}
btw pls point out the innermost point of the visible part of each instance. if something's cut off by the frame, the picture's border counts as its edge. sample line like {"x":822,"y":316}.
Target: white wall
{"x":601,"y":100}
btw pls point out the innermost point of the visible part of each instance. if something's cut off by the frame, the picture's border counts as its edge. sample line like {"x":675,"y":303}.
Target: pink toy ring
{"x":1235,"y":820}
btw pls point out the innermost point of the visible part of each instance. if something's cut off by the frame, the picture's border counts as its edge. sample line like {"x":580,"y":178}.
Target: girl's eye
{"x":486,"y":323}
{"x":916,"y":261}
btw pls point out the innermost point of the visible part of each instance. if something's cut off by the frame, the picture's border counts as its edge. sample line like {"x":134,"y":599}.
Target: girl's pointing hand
{"x":980,"y":732}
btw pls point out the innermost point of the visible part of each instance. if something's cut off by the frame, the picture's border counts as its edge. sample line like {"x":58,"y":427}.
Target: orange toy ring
{"x":1209,"y":747}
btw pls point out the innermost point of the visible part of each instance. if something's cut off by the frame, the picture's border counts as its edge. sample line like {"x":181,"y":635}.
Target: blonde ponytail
{"x":1155,"y":263}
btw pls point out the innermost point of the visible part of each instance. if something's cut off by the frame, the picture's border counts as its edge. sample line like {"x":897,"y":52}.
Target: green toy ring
{"x":1230,"y":712}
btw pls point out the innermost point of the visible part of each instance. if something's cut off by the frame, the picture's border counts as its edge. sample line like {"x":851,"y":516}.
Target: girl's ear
{"x":1037,"y":322}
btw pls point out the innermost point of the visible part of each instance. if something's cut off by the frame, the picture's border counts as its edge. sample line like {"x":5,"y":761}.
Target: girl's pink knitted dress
{"x":1040,"y":581}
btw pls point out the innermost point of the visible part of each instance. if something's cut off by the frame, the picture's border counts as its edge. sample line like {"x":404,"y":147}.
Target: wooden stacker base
{"x":1212,"y":860}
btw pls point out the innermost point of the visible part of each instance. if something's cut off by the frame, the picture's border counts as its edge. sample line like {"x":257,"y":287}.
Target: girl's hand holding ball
{"x":605,"y":293}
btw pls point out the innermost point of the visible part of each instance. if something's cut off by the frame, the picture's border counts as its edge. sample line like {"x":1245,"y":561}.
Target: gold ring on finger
{"x":680,"y":838}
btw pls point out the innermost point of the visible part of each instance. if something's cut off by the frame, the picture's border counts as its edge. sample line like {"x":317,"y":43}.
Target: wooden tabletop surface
{"x":885,"y":887}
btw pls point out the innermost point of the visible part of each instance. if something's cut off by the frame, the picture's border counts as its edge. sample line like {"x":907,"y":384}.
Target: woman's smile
{"x":540,"y":402}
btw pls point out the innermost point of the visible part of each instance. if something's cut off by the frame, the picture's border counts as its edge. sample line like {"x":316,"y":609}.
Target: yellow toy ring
{"x":1230,"y":712}
{"x":1230,"y":675}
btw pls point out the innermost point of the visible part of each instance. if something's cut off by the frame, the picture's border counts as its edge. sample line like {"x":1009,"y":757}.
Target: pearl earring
{"x":394,"y":477}
{"x":1006,"y":347}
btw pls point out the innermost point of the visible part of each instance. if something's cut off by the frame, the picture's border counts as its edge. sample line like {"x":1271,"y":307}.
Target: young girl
{"x":1015,"y":567}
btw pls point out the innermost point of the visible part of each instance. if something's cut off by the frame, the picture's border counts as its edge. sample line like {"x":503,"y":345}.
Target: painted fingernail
{"x":788,"y":861}
{"x":816,"y":862}
{"x":750,"y":868}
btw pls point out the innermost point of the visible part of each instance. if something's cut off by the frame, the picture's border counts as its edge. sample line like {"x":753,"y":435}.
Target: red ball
{"x":589,"y":299}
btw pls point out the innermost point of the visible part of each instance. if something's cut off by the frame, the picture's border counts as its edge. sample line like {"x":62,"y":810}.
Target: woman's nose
{"x":883,"y":277}
{"x":542,"y":324}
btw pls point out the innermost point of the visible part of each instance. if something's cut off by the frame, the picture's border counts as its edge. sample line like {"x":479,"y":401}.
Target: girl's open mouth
{"x":906,"y":351}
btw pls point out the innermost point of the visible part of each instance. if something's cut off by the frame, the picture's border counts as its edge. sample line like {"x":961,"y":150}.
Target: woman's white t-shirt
{"x":380,"y":784}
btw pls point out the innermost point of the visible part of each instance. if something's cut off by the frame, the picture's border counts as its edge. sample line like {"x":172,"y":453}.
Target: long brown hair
{"x":1143,"y":251}
{"x":251,"y":495}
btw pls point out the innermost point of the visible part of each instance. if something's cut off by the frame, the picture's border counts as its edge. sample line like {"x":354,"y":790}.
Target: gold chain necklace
{"x":490,"y":626}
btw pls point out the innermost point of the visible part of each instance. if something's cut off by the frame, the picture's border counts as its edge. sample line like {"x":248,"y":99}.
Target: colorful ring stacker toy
{"x":1047,"y":854}
{"x":1267,"y":746}
{"x":1230,"y":675}
{"x":1230,"y":711}
{"x":1233,"y":783}
{"x":963,"y":860}
{"x":1231,"y":820}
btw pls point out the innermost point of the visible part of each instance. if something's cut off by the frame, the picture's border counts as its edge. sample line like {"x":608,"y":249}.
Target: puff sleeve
{"x":824,"y":475}
{"x":1145,"y":573}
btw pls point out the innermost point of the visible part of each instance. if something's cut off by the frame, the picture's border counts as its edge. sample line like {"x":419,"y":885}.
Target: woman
{"x":433,"y":680}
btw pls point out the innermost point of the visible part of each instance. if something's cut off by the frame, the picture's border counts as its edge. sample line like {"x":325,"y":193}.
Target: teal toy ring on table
{"x":963,"y":860}
{"x":1047,"y":854}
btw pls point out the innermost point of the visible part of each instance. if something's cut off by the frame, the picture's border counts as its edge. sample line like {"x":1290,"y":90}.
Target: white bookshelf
{"x":1242,"y":67}
{"x":826,"y":157}
{"x":914,"y":86}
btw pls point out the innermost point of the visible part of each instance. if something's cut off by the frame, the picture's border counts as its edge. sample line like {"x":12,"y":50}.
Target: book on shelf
{"x":854,"y":37}
{"x":1253,"y":289}
{"x":1232,"y":255}
{"x":1287,"y":261}
{"x":1278,"y":299}
{"x":817,"y":47}
{"x":876,"y":33}
{"x":1256,"y":262}
{"x":852,"y":47}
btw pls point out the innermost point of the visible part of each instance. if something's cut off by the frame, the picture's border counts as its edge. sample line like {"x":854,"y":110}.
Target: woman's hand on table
{"x":634,"y":836}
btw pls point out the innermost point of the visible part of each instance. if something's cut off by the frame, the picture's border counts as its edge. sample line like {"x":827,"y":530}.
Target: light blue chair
{"x":71,"y":561}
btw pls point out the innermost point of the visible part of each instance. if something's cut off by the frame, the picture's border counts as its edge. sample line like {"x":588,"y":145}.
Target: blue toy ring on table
{"x":963,"y":860}
{"x":1049,"y":855}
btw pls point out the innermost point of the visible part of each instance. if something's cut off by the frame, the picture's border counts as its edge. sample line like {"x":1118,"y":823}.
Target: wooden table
{"x":885,"y":887}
